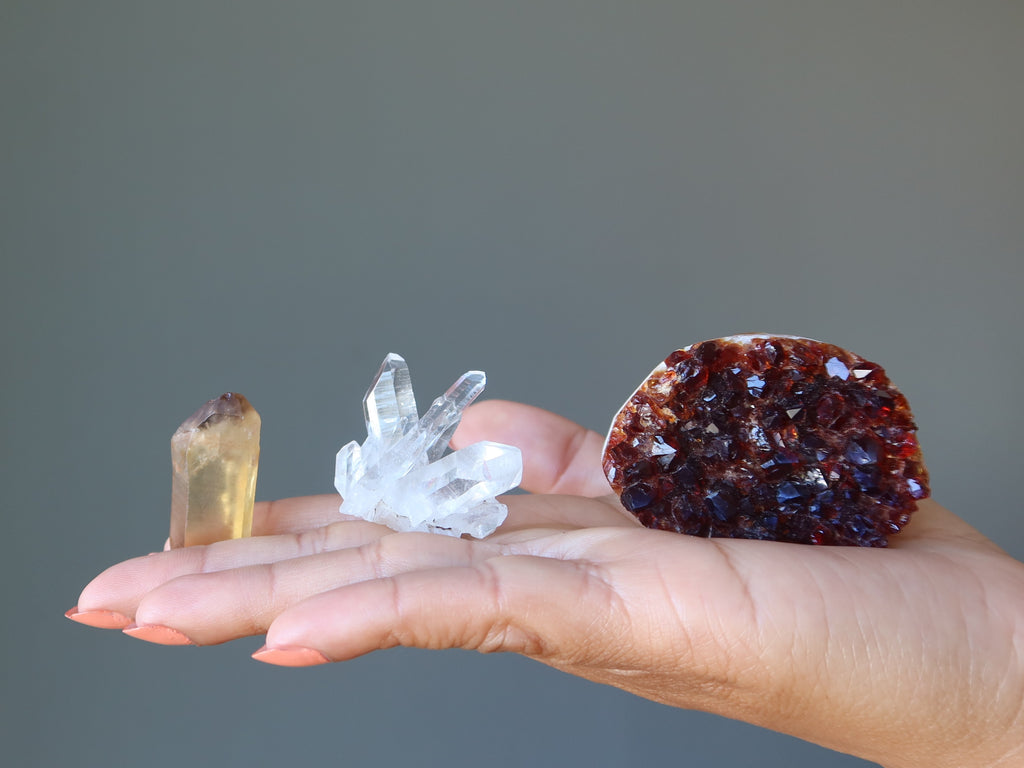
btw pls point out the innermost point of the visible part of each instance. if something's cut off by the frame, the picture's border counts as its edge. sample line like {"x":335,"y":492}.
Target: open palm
{"x":909,"y":656}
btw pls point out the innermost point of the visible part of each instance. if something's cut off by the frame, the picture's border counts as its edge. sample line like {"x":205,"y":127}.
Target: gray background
{"x":268,"y":197}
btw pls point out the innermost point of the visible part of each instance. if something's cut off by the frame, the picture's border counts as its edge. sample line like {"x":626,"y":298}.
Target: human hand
{"x":908,"y":656}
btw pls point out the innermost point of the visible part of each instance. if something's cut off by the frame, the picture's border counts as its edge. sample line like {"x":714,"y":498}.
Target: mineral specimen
{"x":401,"y":477}
{"x":215,"y":454}
{"x":768,"y":437}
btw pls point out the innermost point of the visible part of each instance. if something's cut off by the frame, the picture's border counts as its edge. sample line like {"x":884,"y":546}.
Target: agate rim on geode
{"x":770,"y":437}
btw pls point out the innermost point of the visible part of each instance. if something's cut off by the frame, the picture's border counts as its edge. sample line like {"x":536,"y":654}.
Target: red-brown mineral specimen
{"x":768,"y":437}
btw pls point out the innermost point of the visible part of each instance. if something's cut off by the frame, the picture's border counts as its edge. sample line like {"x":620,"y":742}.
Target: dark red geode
{"x":768,"y":437}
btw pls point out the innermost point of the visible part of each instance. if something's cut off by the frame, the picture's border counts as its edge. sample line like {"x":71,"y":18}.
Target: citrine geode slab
{"x":768,"y":437}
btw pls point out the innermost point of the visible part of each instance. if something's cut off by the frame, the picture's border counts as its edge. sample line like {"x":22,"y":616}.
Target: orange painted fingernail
{"x":157,"y":633}
{"x":99,"y":619}
{"x":296,"y":656}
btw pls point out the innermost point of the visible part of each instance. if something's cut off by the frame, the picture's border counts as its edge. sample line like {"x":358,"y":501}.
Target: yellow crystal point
{"x":215,"y":454}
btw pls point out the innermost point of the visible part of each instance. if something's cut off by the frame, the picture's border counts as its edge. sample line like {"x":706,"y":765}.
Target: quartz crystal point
{"x":215,"y":454}
{"x":768,"y":437}
{"x":401,"y":477}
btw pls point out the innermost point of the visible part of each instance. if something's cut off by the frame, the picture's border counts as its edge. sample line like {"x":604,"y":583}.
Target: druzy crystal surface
{"x":768,"y":437}
{"x":401,"y":475}
{"x":215,"y":455}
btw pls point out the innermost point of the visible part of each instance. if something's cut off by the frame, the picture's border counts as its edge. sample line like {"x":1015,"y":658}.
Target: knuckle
{"x":313,"y":541}
{"x":500,"y":632}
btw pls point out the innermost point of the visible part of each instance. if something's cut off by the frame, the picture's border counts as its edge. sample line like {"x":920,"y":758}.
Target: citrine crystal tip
{"x":215,"y":457}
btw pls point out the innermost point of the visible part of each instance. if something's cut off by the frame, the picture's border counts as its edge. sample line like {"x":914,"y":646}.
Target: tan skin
{"x":910,"y":656}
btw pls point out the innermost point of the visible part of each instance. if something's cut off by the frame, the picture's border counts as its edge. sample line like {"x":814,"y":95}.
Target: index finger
{"x":297,"y":514}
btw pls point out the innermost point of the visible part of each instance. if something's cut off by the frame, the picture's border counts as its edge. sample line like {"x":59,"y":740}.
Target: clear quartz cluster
{"x":402,"y":477}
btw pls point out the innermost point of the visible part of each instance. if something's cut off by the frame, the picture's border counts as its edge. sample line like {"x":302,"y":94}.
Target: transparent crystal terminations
{"x":768,"y":437}
{"x":401,"y":477}
{"x":214,"y":456}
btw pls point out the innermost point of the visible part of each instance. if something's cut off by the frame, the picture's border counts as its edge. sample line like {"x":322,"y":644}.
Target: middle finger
{"x":224,"y":605}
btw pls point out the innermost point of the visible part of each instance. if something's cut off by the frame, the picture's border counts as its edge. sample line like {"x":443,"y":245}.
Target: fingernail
{"x":157,"y":633}
{"x":99,"y":619}
{"x":296,"y":656}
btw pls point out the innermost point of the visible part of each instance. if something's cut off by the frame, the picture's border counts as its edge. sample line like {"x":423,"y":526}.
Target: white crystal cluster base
{"x":402,"y":477}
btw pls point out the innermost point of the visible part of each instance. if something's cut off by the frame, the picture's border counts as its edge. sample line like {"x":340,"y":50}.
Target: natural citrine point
{"x":215,"y":454}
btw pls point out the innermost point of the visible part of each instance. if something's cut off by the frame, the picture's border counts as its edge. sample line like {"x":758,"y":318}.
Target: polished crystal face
{"x":214,"y":456}
{"x":401,"y":477}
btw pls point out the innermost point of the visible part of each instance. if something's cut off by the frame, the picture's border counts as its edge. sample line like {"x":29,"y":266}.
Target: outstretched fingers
{"x":224,"y":605}
{"x":233,"y":588}
{"x":120,"y":588}
{"x":517,"y":603}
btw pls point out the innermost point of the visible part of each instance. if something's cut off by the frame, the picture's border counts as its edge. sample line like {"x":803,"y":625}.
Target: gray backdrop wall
{"x":268,"y":197}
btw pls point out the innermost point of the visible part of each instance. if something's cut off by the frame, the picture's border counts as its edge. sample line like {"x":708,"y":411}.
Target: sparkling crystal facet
{"x":401,"y":477}
{"x":215,"y":454}
{"x":390,"y":406}
{"x":770,"y":437}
